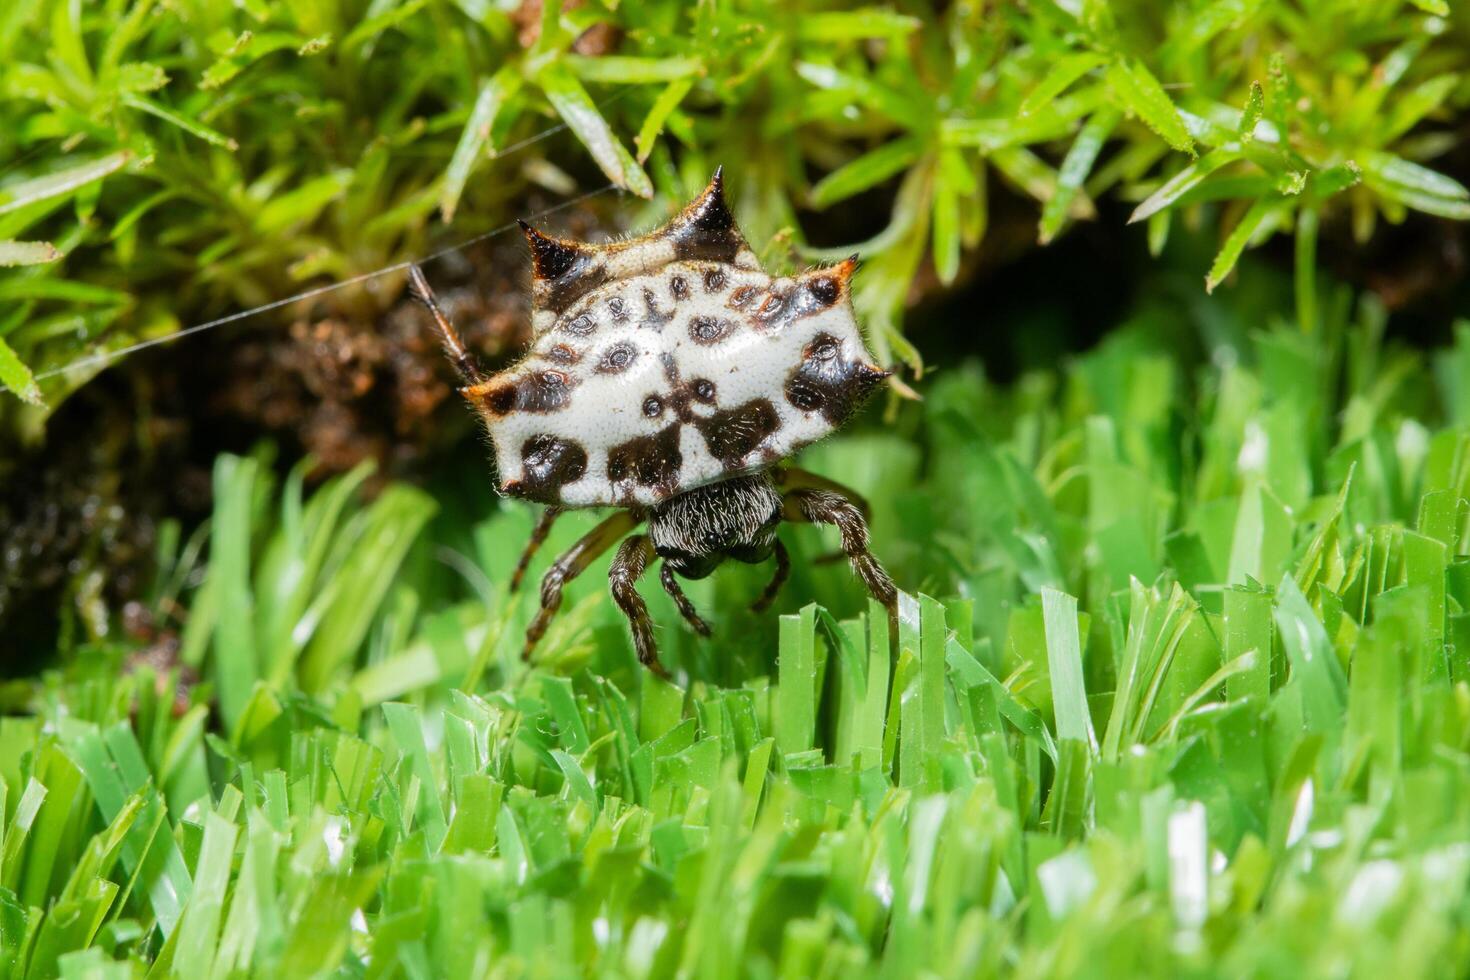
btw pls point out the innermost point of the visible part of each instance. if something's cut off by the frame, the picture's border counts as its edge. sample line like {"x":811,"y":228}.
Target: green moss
{"x":161,"y":162}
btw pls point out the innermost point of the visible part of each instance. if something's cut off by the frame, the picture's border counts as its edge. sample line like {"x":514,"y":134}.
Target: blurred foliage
{"x":163,"y":160}
{"x":1197,"y":702}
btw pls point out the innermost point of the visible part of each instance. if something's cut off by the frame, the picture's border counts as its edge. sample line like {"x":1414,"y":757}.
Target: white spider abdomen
{"x":670,"y":362}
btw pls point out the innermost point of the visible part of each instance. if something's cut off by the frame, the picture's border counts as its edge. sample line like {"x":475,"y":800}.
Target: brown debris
{"x":348,"y":388}
{"x":597,"y":40}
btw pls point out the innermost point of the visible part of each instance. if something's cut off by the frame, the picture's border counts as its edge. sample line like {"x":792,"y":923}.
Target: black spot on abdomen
{"x":562,"y":293}
{"x":550,"y":464}
{"x":582,"y":325}
{"x":650,"y":461}
{"x":538,"y":391}
{"x":709,"y":329}
{"x":824,"y":290}
{"x":617,"y":358}
{"x":825,"y":381}
{"x":562,"y":354}
{"x":734,"y":433}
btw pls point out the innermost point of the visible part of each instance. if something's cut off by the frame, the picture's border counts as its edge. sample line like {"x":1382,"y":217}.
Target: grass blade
{"x":578,"y":111}
{"x":494,"y":92}
{"x":27,"y":253}
{"x":1141,"y":94}
{"x":63,"y":181}
{"x":16,"y":377}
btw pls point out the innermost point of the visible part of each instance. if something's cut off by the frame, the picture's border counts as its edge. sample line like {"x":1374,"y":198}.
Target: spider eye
{"x":704,"y":390}
{"x":652,"y":406}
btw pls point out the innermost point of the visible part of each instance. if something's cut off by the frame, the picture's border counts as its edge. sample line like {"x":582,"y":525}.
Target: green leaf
{"x":797,"y":688}
{"x":1063,"y":72}
{"x":141,"y":76}
{"x":1032,"y":174}
{"x":247,"y":50}
{"x":494,"y":91}
{"x":236,"y":656}
{"x":1064,"y":658}
{"x":192,"y":126}
{"x":302,"y":204}
{"x":405,"y":721}
{"x":866,"y":171}
{"x":199,"y":927}
{"x":60,"y":182}
{"x":1075,"y":168}
{"x":631,"y":70}
{"x":66,"y":290}
{"x":1141,"y":94}
{"x":1184,"y":181}
{"x":1250,"y":116}
{"x":16,"y":377}
{"x":1439,"y":8}
{"x":854,"y":25}
{"x":349,"y":606}
{"x":658,"y":114}
{"x":1417,"y":103}
{"x":390,"y":18}
{"x":27,"y":253}
{"x":1415,"y":186}
{"x":1235,"y":243}
{"x":1386,"y":169}
{"x":946,"y":219}
{"x":582,"y":116}
{"x":1248,"y":629}
{"x":1334,"y":180}
{"x":1314,"y":666}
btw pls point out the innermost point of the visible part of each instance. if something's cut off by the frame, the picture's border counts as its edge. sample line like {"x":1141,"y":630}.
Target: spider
{"x":670,"y":377}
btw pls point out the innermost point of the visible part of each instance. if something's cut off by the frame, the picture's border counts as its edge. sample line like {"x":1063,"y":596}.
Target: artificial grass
{"x":1193,"y":701}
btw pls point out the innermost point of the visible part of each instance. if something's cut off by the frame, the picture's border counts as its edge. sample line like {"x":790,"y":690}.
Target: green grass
{"x":1194,"y":700}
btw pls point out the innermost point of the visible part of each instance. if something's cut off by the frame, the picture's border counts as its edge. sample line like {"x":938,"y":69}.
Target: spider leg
{"x":538,"y":538}
{"x":828,"y":507}
{"x":571,"y":564}
{"x":627,"y":566}
{"x":783,"y":570}
{"x":789,"y":478}
{"x":795,"y":478}
{"x":686,"y":608}
{"x":464,"y":362}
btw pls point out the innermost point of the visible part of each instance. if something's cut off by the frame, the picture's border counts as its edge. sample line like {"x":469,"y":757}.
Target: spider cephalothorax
{"x":670,"y":377}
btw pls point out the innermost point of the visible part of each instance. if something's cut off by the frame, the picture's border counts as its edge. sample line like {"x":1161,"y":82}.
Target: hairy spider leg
{"x":795,"y":478}
{"x":571,"y":564}
{"x":783,"y":571}
{"x":464,"y":362}
{"x":827,"y":507}
{"x":629,"y":563}
{"x":533,"y":544}
{"x":686,"y":608}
